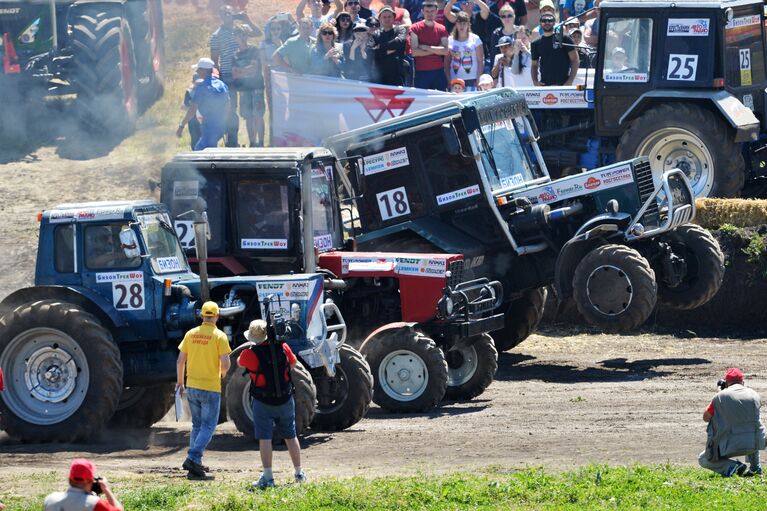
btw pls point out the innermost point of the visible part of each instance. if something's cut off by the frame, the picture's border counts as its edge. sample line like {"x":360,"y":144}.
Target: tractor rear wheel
{"x":705,"y":268}
{"x":62,"y":370}
{"x":523,"y":316}
{"x":104,"y":70}
{"x":344,"y":400}
{"x":240,"y":409}
{"x":471,"y":368}
{"x":614,"y":288}
{"x":409,"y":371}
{"x":140,"y":407}
{"x":691,"y":138}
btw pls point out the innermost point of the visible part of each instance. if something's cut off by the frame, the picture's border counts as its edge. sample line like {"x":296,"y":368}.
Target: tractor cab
{"x":691,"y":46}
{"x":254,"y":202}
{"x":118,"y":254}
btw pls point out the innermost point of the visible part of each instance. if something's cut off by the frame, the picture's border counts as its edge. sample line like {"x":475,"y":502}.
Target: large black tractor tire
{"x":146,"y":21}
{"x":705,"y":268}
{"x":523,"y":316}
{"x":614,"y":288}
{"x":692,"y":138}
{"x":238,"y":400}
{"x":348,"y":394}
{"x":62,"y":371}
{"x":104,"y":69}
{"x":409,"y":371}
{"x":140,"y":407}
{"x":471,"y":368}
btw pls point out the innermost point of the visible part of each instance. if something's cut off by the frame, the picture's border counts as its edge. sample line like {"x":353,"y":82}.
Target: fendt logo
{"x":385,"y":100}
{"x":9,"y":11}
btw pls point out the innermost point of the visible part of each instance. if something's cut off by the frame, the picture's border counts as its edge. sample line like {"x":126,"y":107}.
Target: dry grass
{"x":714,"y":213}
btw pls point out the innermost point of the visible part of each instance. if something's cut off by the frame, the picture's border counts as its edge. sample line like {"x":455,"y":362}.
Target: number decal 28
{"x":682,"y":67}
{"x":393,"y":203}
{"x":128,"y":295}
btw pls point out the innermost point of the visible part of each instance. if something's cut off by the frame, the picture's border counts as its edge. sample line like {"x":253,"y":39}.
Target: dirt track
{"x":564,"y":399}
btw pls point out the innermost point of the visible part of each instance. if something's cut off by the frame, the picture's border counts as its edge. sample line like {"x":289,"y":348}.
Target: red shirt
{"x":103,"y":505}
{"x":249,"y":361}
{"x":710,"y":408}
{"x":430,"y":36}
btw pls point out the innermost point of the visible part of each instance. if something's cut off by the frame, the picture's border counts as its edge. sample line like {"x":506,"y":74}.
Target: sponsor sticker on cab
{"x":264,"y":244}
{"x":166,"y":264}
{"x":323,"y":242}
{"x":387,"y":160}
{"x":185,"y":190}
{"x":592,"y":183}
{"x":550,"y":99}
{"x":689,"y":27}
{"x":463,"y":193}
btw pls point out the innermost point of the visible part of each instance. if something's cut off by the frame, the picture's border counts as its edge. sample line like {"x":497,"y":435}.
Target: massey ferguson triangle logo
{"x":385,"y":100}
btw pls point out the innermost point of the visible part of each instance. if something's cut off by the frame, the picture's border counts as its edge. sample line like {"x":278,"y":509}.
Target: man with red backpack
{"x":269,"y":362}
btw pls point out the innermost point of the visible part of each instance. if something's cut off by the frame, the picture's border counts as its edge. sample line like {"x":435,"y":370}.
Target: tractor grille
{"x":645,"y":187}
{"x":456,"y":274}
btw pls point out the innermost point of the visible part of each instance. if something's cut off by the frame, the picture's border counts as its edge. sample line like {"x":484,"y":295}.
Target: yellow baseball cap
{"x":209,"y":309}
{"x":546,"y":3}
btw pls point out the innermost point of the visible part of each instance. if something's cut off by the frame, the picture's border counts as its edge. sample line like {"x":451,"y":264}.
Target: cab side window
{"x":628,"y":50}
{"x":64,"y":248}
{"x":103,"y":248}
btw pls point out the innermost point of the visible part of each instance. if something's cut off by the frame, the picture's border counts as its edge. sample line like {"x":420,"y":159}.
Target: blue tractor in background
{"x":95,"y":339}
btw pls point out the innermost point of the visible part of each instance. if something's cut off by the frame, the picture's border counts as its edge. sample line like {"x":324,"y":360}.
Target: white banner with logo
{"x":307,"y":109}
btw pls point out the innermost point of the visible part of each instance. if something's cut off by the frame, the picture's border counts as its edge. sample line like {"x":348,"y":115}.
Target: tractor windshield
{"x":327,"y":229}
{"x":505,"y":158}
{"x":163,"y":247}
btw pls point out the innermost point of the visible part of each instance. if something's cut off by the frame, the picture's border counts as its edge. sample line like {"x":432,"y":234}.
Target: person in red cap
{"x":83,"y":492}
{"x":734,"y":429}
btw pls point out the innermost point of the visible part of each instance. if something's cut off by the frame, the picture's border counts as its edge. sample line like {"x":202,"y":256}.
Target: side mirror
{"x":359,"y":171}
{"x":129,"y":243}
{"x":450,"y":139}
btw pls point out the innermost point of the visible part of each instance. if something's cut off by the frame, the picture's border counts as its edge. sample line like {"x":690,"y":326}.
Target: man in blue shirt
{"x":210,"y":97}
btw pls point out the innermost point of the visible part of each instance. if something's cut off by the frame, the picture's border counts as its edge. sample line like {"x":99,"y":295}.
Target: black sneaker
{"x":195,"y":469}
{"x":737,"y":469}
{"x":753,"y":472}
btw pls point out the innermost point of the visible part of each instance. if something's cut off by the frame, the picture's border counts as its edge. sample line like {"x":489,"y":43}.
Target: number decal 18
{"x":393,"y":203}
{"x":682,"y":67}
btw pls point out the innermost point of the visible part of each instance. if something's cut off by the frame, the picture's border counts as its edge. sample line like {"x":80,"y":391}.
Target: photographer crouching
{"x":84,"y":490}
{"x":734,"y":428}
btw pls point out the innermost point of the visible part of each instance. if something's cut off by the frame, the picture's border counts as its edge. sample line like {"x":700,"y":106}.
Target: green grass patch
{"x":594,"y":487}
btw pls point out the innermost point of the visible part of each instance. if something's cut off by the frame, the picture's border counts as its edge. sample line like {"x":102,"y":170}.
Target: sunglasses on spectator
{"x":327,"y":32}
{"x":507,"y":16}
{"x":547,"y":20}
{"x":344,"y":20}
{"x":352,"y":3}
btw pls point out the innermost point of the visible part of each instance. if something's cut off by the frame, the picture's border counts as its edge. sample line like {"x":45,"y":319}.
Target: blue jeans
{"x":205,"y":406}
{"x":268,"y":418}
{"x":211,"y":133}
{"x":434,"y":79}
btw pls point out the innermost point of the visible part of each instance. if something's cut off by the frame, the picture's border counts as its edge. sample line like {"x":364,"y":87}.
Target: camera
{"x":97,"y":488}
{"x":720,"y":384}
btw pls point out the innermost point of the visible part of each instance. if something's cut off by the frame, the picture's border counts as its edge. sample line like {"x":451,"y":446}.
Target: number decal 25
{"x":393,"y":203}
{"x":682,"y":67}
{"x":128,"y":295}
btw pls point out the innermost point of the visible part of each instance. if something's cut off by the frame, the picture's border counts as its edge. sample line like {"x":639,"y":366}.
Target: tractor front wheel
{"x":409,"y":371}
{"x":614,"y":288}
{"x":704,"y":270}
{"x":471,"y":368}
{"x":140,"y":407}
{"x":523,"y":316}
{"x":344,"y":399}
{"x":62,"y":370}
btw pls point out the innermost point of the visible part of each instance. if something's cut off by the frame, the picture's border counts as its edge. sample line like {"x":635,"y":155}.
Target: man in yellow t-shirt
{"x":204,"y":354}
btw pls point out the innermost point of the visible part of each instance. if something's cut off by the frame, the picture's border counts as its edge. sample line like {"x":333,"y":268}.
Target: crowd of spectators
{"x":446,"y":45}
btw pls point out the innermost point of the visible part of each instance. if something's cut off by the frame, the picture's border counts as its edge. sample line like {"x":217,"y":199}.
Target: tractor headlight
{"x":446,"y":307}
{"x":295,"y":312}
{"x":637,"y":230}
